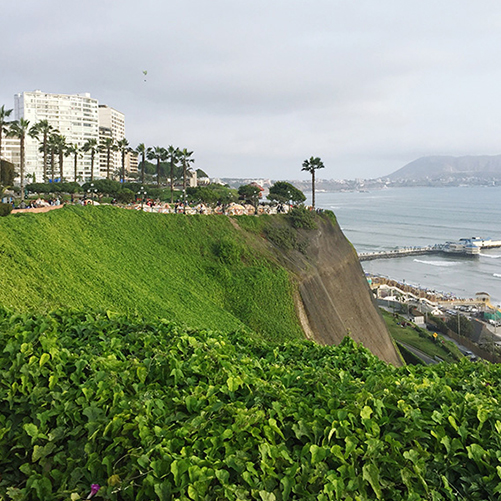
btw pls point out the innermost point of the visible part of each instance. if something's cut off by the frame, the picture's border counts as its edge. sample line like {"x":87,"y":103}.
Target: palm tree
{"x":19,"y":129}
{"x":124,"y":148}
{"x":60,"y":150}
{"x":159,"y":154}
{"x":185,"y":157}
{"x":73,"y":149}
{"x":109,"y":145}
{"x":173,"y":157}
{"x":52,"y":152}
{"x":142,"y":150}
{"x":4,"y":114}
{"x":44,"y":129}
{"x":312,"y":165}
{"x":91,"y":146}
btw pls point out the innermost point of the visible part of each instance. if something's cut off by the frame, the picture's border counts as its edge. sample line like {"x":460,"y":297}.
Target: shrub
{"x":301,"y":217}
{"x":5,"y":209}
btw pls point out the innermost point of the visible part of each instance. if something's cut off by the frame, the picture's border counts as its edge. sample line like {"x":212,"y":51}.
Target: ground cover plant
{"x":155,"y":265}
{"x":151,"y":410}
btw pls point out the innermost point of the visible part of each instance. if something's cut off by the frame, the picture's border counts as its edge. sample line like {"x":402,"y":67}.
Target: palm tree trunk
{"x":142,"y":171}
{"x":61,"y":159}
{"x":171,"y":181}
{"x":75,"y":162}
{"x":123,"y":166}
{"x":313,"y":187}
{"x":158,"y":171}
{"x":52,"y":165}
{"x":92,"y":166}
{"x":108,"y":153}
{"x":22,"y":168}
{"x":184,"y":185}
{"x":45,"y":157}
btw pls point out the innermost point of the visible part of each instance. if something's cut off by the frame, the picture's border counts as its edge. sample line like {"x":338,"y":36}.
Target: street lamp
{"x":91,"y":192}
{"x":142,"y":192}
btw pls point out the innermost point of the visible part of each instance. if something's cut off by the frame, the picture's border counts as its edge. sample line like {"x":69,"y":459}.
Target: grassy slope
{"x":195,"y":270}
{"x":410,"y":336}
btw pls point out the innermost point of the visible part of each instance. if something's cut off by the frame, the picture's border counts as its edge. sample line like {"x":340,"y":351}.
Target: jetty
{"x":464,"y":247}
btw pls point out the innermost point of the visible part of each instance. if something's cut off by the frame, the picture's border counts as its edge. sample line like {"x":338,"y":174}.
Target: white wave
{"x":444,"y":264}
{"x":496,"y":275}
{"x":489,"y":255}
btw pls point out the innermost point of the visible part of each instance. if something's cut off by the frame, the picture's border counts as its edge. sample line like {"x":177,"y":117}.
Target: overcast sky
{"x":255,"y":87}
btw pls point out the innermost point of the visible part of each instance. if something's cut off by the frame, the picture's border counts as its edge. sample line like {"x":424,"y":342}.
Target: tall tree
{"x":43,"y":129}
{"x":73,"y":149}
{"x":124,"y":148}
{"x":173,"y":157}
{"x":284,"y":192}
{"x":92,"y":147}
{"x":60,"y":145}
{"x":186,"y":159}
{"x":159,"y":154}
{"x":4,"y":115}
{"x":142,"y":150}
{"x":109,"y":145}
{"x":52,"y":144}
{"x":250,"y":193}
{"x":19,"y":129}
{"x":311,"y":165}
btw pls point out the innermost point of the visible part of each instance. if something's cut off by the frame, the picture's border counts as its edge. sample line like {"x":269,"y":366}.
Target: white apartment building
{"x":11,"y":150}
{"x":76,"y":117}
{"x":111,"y":125}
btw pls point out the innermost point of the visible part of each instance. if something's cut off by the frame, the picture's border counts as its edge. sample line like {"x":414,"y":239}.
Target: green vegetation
{"x":150,"y":410}
{"x":5,"y":209}
{"x":421,"y":339}
{"x":284,"y":192}
{"x":196,"y":270}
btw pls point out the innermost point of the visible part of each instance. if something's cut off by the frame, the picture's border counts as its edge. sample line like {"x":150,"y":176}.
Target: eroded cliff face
{"x":335,"y":297}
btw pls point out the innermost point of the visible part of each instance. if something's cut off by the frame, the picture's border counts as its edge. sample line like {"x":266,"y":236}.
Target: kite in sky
{"x":145,"y":73}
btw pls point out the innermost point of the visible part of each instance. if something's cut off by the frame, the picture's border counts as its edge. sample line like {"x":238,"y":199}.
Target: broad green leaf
{"x":31,"y":429}
{"x":223,"y":476}
{"x":370,"y":473}
{"x":267,"y":496}
{"x":318,"y":454}
{"x":44,"y":359}
{"x":366,"y":412}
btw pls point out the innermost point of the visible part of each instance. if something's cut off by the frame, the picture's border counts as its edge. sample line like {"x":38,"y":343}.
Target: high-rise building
{"x":111,"y":125}
{"x":74,"y":116}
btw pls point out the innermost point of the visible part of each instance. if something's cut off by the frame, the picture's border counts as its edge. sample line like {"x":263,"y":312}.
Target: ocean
{"x":401,"y":217}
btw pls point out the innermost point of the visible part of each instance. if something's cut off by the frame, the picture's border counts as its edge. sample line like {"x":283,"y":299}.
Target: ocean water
{"x":399,"y":217}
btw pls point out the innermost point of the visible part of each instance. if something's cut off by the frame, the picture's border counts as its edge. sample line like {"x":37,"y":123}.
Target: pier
{"x":465,"y":247}
{"x":401,"y":252}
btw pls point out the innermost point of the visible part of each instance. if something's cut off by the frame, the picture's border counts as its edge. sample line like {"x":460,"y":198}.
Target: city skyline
{"x":254,"y":88}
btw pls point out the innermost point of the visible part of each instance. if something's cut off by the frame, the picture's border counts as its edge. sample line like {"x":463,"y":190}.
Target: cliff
{"x":335,"y":298}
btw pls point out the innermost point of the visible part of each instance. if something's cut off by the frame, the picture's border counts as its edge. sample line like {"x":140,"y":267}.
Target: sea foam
{"x":443,"y":264}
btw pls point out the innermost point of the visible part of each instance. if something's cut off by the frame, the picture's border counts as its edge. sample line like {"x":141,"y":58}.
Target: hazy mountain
{"x":434,"y":167}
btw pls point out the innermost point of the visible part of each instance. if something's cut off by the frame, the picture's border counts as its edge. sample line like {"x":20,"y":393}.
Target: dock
{"x":401,"y":252}
{"x":465,"y":247}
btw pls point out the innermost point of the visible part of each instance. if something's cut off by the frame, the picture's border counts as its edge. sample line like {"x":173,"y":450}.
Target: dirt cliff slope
{"x":336,"y":298}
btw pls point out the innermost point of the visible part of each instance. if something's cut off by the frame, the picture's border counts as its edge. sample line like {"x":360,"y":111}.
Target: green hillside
{"x":151,"y":410}
{"x":195,"y":270}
